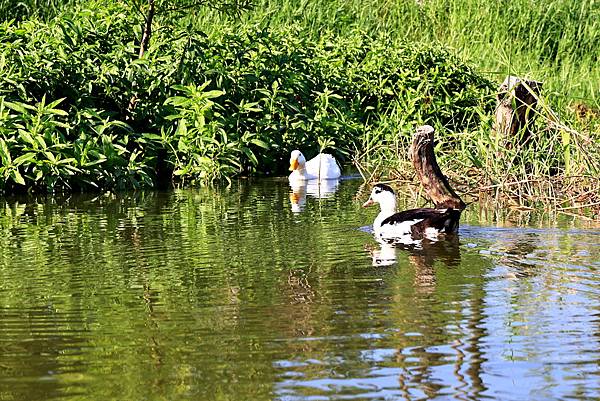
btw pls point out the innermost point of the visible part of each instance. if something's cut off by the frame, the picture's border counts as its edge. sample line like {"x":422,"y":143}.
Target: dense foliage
{"x":79,"y":109}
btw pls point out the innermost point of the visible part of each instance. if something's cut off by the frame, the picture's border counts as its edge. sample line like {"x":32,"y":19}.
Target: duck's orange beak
{"x":368,"y":203}
{"x":293,"y":164}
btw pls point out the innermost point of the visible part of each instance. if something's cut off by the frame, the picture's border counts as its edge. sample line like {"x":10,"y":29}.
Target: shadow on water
{"x":230,"y":294}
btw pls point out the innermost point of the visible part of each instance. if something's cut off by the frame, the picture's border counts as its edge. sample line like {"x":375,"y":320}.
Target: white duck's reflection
{"x":318,"y":189}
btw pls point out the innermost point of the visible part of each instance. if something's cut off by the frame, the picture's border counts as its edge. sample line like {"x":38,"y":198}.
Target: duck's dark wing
{"x":443,"y":220}
{"x":446,"y":222}
{"x":414,"y":214}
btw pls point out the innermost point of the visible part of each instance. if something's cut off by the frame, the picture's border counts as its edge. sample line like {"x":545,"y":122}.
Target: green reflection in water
{"x":234,"y":294}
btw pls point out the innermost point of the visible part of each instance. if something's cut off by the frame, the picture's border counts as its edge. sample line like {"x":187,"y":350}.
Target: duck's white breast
{"x":394,"y":230}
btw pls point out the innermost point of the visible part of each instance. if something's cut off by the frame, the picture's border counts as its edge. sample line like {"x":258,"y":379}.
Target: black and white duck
{"x":409,"y":226}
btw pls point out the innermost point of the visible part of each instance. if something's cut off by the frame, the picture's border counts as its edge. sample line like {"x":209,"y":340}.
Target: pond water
{"x":256,"y":293}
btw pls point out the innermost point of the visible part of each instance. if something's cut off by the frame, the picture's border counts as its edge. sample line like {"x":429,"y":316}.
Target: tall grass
{"x":556,"y":41}
{"x":23,"y":9}
{"x":557,"y":170}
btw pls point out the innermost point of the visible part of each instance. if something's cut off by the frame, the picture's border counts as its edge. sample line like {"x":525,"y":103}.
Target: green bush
{"x":200,"y":109}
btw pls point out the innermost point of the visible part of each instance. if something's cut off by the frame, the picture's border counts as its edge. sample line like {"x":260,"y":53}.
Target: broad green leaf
{"x":40,"y":141}
{"x":260,"y":143}
{"x":16,"y":176}
{"x":5,"y":153}
{"x":213,"y":94}
{"x":153,"y":137}
{"x":27,"y":157}
{"x":250,"y":156}
{"x":181,"y":128}
{"x":58,"y":112}
{"x":19,"y":107}
{"x":26,"y":137}
{"x":50,"y":156}
{"x":55,"y":103}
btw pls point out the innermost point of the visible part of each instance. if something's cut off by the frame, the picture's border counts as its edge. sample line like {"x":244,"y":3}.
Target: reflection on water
{"x":383,"y":254}
{"x":318,"y":189}
{"x":229,"y":294}
{"x":422,"y":254}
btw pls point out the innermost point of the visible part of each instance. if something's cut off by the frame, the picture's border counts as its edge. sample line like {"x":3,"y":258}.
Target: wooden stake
{"x":517,"y":99}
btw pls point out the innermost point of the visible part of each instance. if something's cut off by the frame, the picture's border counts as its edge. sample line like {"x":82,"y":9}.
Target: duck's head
{"x":384,"y":195}
{"x":297,"y":160}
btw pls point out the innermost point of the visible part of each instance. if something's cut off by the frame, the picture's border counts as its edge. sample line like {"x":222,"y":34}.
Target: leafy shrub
{"x":294,"y":92}
{"x":200,"y":109}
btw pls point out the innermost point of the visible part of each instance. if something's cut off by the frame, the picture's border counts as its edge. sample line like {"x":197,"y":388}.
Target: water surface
{"x":256,"y":293}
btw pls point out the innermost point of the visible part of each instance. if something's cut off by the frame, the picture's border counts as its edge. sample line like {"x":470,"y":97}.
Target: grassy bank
{"x":216,"y":97}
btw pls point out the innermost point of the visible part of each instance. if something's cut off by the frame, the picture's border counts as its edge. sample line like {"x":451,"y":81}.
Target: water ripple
{"x":229,"y":293}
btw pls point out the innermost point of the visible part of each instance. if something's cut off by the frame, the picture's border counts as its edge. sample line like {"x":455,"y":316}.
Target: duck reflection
{"x":422,"y":255}
{"x":318,"y":189}
{"x":383,"y":256}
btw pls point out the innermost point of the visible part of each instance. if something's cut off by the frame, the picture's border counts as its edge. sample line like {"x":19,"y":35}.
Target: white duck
{"x":322,"y":167}
{"x":409,"y":226}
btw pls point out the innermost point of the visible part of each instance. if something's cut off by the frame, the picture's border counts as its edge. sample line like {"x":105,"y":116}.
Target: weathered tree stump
{"x":515,"y":112}
{"x":435,"y":183}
